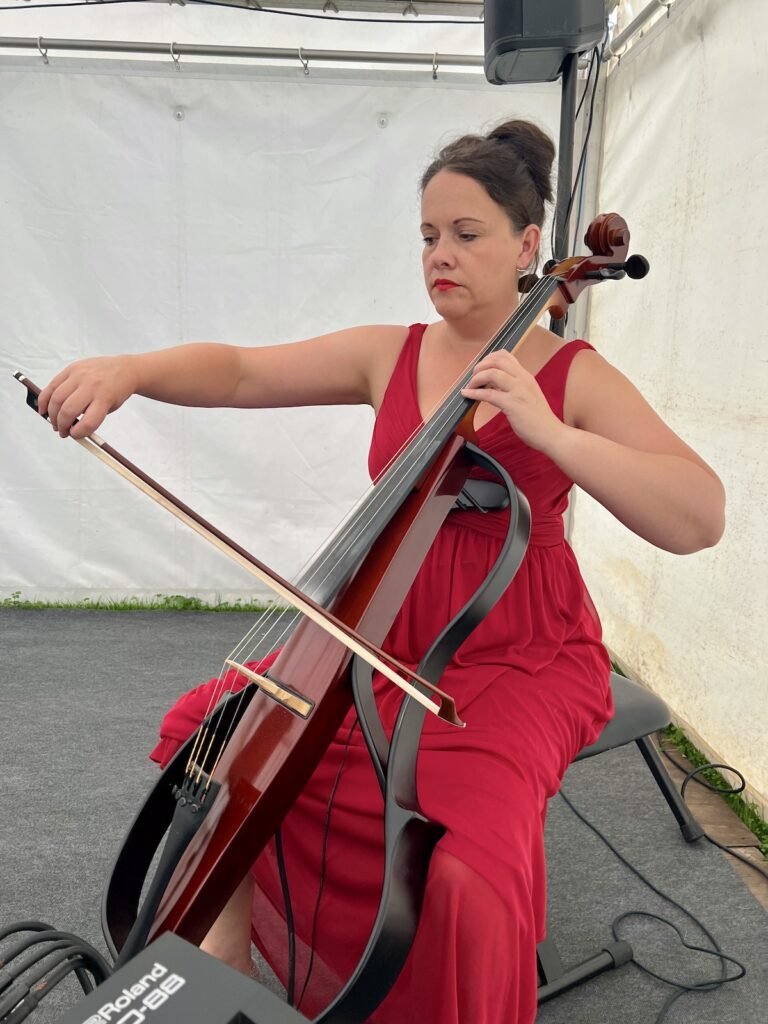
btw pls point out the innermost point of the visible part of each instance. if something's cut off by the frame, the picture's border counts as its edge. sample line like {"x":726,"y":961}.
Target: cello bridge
{"x":288,"y":698}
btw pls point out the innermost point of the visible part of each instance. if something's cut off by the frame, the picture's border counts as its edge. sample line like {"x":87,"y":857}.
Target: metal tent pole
{"x":176,"y":50}
{"x":565,"y":167}
{"x":615,"y":47}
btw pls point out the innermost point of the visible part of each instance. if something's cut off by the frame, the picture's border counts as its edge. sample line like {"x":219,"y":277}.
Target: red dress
{"x":532,"y":684}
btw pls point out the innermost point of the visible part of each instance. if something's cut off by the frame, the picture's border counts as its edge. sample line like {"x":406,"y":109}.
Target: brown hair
{"x":513,"y":163}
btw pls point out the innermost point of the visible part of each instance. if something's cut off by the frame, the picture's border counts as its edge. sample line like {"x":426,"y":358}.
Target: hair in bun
{"x":534,"y":148}
{"x":513,"y":163}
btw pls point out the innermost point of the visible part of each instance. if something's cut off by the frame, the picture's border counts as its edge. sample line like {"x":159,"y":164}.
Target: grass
{"x":746,"y":811}
{"x":158,"y":603}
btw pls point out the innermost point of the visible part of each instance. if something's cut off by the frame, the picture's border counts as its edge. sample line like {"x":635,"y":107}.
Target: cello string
{"x":443,"y":411}
{"x":448,"y":406}
{"x":347,"y":532}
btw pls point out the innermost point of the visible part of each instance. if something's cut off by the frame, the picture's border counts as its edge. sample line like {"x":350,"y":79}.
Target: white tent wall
{"x":145,"y":207}
{"x":684,"y":161}
{"x":277,"y":208}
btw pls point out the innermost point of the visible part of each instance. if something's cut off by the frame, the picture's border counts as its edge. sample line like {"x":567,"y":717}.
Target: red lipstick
{"x":443,"y":284}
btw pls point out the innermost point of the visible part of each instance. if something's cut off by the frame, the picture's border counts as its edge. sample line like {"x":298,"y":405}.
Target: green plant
{"x":747,"y":811}
{"x":160,"y":602}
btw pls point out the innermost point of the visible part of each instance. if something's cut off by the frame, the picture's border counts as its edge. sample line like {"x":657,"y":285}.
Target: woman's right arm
{"x":343,"y":368}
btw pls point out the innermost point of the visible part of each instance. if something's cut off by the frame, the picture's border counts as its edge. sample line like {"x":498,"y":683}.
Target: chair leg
{"x":555,"y":979}
{"x":688,"y":825}
{"x":548,"y":961}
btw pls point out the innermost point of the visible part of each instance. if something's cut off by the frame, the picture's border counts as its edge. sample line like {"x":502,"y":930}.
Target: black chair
{"x":639,"y":713}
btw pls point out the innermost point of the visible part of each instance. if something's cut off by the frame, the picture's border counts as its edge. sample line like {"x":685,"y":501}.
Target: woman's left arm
{"x":615,"y":447}
{"x":620,"y":451}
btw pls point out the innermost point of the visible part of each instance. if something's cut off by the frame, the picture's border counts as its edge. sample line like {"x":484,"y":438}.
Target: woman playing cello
{"x":532,"y":680}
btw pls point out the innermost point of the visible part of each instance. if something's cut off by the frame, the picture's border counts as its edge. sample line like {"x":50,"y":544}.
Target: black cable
{"x":594,"y":63}
{"x":63,"y":952}
{"x":262,"y":10}
{"x":693,"y":775}
{"x":706,"y":986}
{"x":57,"y":939}
{"x":25,"y":926}
{"x":739,"y":856}
{"x":32,"y":999}
{"x":701,"y":986}
{"x":289,"y":989}
{"x":702,"y":782}
{"x":586,"y":84}
{"x":585,"y":144}
{"x":84,"y":959}
{"x":326,"y":831}
{"x":14,"y":974}
{"x":334,"y":18}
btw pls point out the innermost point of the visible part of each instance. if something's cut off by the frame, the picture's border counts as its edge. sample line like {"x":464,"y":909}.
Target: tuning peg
{"x":605,"y":274}
{"x":637,"y":267}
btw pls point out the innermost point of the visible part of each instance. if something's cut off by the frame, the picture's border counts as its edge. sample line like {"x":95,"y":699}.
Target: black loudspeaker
{"x":528,"y":40}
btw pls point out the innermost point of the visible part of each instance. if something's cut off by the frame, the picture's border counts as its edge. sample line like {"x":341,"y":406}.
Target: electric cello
{"x":222,"y":797}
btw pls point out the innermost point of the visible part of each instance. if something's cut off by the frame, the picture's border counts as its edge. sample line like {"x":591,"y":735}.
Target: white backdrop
{"x":685,"y":160}
{"x":144,"y":207}
{"x":277,"y":208}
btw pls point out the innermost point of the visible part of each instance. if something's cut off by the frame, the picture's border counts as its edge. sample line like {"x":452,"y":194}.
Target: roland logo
{"x":135,"y":1004}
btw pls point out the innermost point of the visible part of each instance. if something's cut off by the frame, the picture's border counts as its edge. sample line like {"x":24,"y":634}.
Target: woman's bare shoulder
{"x":541,"y":346}
{"x":385,"y":345}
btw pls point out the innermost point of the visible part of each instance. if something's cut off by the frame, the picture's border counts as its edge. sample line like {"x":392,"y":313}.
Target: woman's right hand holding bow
{"x":79,"y":398}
